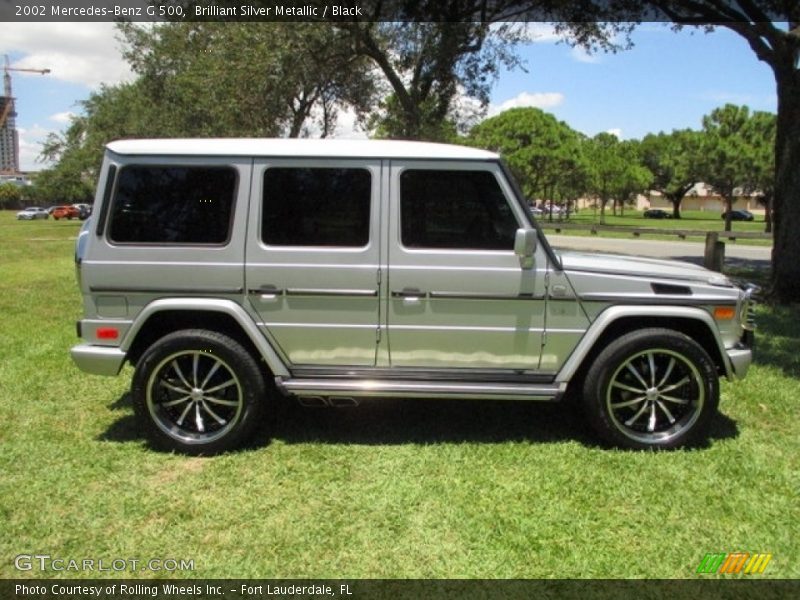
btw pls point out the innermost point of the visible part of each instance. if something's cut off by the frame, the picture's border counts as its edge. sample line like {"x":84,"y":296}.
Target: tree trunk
{"x":728,"y":200}
{"x":768,"y":214}
{"x":785,"y":281}
{"x":676,"y":206}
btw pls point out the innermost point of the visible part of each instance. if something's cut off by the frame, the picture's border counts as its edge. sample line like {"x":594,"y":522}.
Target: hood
{"x":620,"y":264}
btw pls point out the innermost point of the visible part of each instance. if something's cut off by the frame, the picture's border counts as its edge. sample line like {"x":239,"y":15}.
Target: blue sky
{"x":668,"y":80}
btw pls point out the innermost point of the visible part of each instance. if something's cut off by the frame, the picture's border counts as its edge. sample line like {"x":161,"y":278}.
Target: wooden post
{"x":715,"y":252}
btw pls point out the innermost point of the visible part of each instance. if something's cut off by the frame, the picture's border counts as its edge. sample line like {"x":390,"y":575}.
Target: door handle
{"x":409,"y":295}
{"x":267,"y":292}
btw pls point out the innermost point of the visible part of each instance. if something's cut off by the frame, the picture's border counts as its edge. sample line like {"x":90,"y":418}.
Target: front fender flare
{"x":614,"y":313}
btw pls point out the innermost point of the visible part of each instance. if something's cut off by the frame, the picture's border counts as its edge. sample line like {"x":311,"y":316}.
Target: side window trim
{"x":500,"y":190}
{"x":365,"y":219}
{"x":111,"y":176}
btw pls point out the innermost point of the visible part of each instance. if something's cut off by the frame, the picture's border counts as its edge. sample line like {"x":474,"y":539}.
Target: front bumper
{"x":740,"y":359}
{"x":98,"y":360}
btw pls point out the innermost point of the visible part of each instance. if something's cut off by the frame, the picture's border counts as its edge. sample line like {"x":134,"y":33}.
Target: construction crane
{"x":8,"y":135}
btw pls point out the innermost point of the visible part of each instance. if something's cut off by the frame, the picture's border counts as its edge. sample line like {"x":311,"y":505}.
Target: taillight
{"x":106,"y":333}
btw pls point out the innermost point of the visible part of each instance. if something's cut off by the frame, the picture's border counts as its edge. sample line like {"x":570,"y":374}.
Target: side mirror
{"x":525,"y":246}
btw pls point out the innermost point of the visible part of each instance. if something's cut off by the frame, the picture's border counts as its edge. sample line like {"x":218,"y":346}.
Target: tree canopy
{"x":673,"y":159}
{"x":731,"y":150}
{"x":542,"y":152}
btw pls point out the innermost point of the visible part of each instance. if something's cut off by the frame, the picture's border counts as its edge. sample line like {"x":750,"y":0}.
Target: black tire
{"x":172,"y":388}
{"x":652,"y":389}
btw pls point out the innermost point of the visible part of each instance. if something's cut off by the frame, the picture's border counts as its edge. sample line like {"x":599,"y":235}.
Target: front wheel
{"x":198,"y":392}
{"x":652,"y":388}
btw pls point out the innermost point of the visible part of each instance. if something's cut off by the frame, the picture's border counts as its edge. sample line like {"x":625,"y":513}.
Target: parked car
{"x":300,"y":280}
{"x":66,"y":212}
{"x":656,"y":213}
{"x":31,"y":213}
{"x":536,"y":211}
{"x":739,"y":215}
{"x":84,"y":211}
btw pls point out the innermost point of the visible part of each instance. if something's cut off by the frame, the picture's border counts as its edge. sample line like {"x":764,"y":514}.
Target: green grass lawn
{"x":395,"y":489}
{"x":691,"y":220}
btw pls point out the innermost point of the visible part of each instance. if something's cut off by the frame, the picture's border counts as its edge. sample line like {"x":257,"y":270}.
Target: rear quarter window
{"x":173,"y":205}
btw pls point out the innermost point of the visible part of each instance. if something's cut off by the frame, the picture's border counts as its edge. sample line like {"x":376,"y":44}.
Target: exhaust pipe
{"x":342,"y":401}
{"x":313,"y":401}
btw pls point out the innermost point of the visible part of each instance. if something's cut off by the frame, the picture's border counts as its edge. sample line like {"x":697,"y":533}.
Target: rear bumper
{"x":98,"y":360}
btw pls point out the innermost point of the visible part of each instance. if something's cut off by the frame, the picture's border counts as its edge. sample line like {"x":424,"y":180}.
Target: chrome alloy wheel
{"x":655,"y":395}
{"x":194,"y":397}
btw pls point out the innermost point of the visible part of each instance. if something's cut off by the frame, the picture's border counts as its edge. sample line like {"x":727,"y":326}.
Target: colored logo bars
{"x":734,"y":563}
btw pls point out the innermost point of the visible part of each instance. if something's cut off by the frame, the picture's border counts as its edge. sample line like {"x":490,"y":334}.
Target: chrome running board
{"x":415,"y":389}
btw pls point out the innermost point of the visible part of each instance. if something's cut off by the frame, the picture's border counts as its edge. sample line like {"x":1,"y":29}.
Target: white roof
{"x":298,"y":147}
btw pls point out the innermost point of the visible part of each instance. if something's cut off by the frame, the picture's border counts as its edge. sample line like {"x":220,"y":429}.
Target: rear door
{"x":313,"y":253}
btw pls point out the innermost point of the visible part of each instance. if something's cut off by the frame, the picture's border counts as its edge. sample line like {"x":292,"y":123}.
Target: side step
{"x":332,"y":388}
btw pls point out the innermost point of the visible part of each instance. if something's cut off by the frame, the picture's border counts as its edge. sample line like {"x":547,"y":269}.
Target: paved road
{"x":752,"y":256}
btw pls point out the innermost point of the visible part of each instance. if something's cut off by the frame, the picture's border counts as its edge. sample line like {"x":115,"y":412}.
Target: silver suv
{"x":227,"y":271}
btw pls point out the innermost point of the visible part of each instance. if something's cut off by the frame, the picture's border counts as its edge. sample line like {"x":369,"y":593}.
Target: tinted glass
{"x":455,"y":209}
{"x":316,"y":207}
{"x":173,"y":205}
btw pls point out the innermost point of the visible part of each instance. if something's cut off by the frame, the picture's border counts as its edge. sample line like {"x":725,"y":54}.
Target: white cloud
{"x":62,"y":117}
{"x":30,"y":146}
{"x":82,"y":53}
{"x":535,"y":99}
{"x":615,"y":131}
{"x":541,"y":33}
{"x":581,"y":55}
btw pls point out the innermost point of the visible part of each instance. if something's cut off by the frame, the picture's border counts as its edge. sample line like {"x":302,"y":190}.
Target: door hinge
{"x":379,"y":276}
{"x":378,"y":335}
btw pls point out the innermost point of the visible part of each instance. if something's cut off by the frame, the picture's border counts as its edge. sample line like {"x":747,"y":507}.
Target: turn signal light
{"x":724,"y":313}
{"x":107,"y":333}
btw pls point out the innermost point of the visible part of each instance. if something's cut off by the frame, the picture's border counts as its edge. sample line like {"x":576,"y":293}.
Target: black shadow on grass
{"x":124,"y":429}
{"x":388,"y":421}
{"x":403,"y":421}
{"x":778,"y":339}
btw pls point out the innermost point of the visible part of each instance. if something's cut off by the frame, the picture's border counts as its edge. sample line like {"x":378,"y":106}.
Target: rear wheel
{"x":198,"y":392}
{"x":653,"y":388}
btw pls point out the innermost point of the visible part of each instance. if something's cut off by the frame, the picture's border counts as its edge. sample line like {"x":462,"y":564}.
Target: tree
{"x":211,"y":79}
{"x":616,"y":172}
{"x":760,"y":133}
{"x":633,"y":178}
{"x":772,"y":30}
{"x":673,"y":160}
{"x":426,"y":68}
{"x":247,"y":79}
{"x":542,"y":152}
{"x":9,"y":195}
{"x":439,"y":51}
{"x":114,"y":112}
{"x":730,"y":154}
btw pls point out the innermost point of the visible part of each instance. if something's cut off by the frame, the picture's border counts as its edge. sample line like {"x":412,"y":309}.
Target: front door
{"x":458,"y":297}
